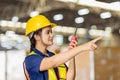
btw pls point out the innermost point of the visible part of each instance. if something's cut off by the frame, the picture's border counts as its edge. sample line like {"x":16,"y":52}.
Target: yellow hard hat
{"x":36,"y":23}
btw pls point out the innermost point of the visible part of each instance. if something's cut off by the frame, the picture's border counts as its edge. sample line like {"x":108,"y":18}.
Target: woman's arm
{"x":56,"y":60}
{"x":71,"y":73}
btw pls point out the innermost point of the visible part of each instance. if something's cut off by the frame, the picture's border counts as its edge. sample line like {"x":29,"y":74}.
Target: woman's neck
{"x":42,"y":49}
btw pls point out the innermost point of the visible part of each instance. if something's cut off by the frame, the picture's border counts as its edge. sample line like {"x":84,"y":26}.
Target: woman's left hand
{"x":73,"y":43}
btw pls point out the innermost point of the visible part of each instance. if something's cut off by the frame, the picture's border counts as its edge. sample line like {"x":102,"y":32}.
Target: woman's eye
{"x":49,"y":31}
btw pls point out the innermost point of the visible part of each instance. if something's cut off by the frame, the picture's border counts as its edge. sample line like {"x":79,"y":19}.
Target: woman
{"x":42,"y":64}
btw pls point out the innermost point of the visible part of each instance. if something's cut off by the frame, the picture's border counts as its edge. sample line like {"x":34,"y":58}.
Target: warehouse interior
{"x":94,"y":18}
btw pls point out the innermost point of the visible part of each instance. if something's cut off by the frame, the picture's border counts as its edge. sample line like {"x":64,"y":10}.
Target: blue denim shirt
{"x":33,"y":63}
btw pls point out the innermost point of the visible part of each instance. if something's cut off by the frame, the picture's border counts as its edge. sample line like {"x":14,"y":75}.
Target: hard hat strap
{"x":31,"y":35}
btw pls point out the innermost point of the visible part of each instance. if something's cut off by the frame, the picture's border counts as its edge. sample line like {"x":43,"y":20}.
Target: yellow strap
{"x":62,"y":72}
{"x":33,"y":53}
{"x":51,"y":74}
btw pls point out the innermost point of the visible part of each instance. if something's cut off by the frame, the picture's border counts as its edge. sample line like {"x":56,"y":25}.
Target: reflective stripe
{"x":32,"y":53}
{"x":24,"y":67}
{"x":62,"y":72}
{"x":51,"y":74}
{"x":25,"y":71}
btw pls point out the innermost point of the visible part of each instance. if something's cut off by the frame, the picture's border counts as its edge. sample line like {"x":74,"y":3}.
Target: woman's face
{"x":47,"y":36}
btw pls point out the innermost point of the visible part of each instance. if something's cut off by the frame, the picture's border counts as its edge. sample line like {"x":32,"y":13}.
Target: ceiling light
{"x":18,"y":24}
{"x":116,"y":4}
{"x":24,"y":25}
{"x":15,"y":19}
{"x":3,"y":23}
{"x":101,"y":33}
{"x":33,"y":13}
{"x":94,"y":27}
{"x":105,"y":15}
{"x":58,"y":17}
{"x":65,"y":30}
{"x":83,"y":11}
{"x":79,"y":20}
{"x":94,"y":3}
{"x":81,"y":31}
{"x":92,"y":32}
{"x":71,"y":30}
{"x":10,"y":24}
{"x":58,"y":29}
{"x":109,"y":29}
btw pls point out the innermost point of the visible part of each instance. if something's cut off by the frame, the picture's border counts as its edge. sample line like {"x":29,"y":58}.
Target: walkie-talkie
{"x":74,"y":37}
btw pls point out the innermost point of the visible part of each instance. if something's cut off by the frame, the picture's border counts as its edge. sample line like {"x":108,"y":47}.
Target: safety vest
{"x":62,"y":71}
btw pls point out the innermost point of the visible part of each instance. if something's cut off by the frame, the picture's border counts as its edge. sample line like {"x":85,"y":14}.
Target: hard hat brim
{"x":52,"y":25}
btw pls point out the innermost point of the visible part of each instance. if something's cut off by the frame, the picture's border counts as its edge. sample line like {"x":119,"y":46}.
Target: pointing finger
{"x":97,"y":39}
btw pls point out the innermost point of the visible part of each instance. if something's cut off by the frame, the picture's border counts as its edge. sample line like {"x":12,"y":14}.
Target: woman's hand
{"x":73,"y":44}
{"x":91,"y":45}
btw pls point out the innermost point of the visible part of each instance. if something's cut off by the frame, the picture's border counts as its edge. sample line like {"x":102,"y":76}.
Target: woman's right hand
{"x":90,"y":45}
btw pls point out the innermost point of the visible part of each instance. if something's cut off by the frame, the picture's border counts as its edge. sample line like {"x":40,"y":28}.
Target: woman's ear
{"x":37,"y":37}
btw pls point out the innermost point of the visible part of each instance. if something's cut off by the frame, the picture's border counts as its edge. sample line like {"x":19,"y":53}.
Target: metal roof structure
{"x":22,"y":9}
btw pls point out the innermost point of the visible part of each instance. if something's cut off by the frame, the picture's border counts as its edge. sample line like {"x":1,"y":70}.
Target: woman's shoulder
{"x":32,"y":57}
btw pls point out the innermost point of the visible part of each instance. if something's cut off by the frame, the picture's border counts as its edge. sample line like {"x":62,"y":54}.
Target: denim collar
{"x":39,"y":52}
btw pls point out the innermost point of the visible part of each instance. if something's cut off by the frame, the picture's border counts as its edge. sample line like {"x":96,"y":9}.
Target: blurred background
{"x":94,"y":18}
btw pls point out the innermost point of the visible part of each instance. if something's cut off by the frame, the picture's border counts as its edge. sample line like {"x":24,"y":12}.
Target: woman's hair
{"x":32,"y":39}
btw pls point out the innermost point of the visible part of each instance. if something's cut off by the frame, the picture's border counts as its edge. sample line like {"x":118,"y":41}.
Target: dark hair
{"x":32,"y":39}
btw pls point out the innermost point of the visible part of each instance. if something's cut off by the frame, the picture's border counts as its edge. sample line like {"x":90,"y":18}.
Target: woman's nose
{"x":51,"y":35}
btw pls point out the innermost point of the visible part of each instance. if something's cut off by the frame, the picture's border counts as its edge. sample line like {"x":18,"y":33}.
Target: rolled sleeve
{"x":33,"y":63}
